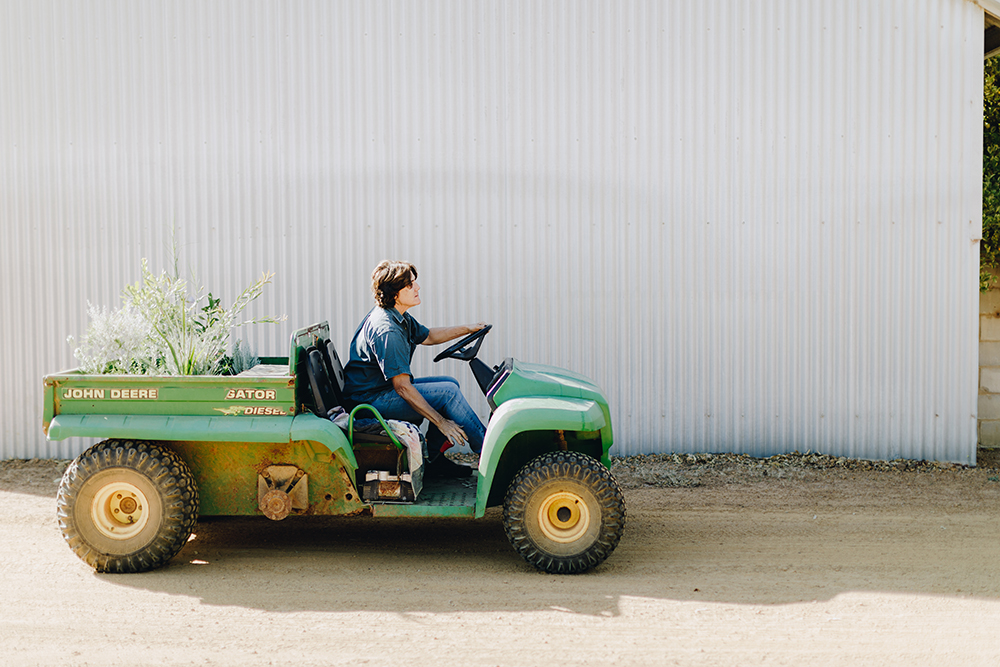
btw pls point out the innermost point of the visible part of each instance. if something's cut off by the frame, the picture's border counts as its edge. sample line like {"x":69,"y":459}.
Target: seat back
{"x":335,"y":369}
{"x":325,"y":399}
{"x":325,"y":373}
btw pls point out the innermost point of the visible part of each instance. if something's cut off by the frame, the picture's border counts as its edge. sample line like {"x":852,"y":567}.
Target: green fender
{"x":308,"y":426}
{"x":172,"y":427}
{"x":518,"y":415}
{"x":195,"y":428}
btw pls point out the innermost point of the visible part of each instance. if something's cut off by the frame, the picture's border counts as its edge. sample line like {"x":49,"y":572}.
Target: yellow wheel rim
{"x":119,"y":510}
{"x":563,"y":517}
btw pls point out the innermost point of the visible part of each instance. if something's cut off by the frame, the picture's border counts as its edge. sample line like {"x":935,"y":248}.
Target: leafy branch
{"x":989,"y":247}
{"x":161,"y":328}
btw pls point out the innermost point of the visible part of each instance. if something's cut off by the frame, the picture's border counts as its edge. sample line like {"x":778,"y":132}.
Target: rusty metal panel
{"x":228,"y":477}
{"x":754,"y":224}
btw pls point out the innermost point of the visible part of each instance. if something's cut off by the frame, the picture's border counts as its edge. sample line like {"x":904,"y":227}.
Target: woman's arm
{"x":445,"y":334}
{"x":449,"y":429}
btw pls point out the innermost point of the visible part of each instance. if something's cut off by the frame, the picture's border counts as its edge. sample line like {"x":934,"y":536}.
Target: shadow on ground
{"x":37,"y":477}
{"x":680,"y":544}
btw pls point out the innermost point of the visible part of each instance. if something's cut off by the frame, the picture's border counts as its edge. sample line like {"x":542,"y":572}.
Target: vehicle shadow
{"x":32,"y":476}
{"x":707,"y":554}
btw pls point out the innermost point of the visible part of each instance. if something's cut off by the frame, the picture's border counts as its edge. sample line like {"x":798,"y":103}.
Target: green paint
{"x":525,"y":415}
{"x":164,"y":427}
{"x":308,"y":426}
{"x":422,"y":508}
{"x":527,"y":379}
{"x":236,"y":396}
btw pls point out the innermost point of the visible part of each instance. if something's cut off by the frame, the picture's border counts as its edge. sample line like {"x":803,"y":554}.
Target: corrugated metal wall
{"x":754,"y":223}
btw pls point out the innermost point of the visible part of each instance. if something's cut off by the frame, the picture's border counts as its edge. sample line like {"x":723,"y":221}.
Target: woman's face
{"x":408,"y":297}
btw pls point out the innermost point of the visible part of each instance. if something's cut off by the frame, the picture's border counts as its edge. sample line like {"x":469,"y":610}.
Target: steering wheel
{"x":456,"y":352}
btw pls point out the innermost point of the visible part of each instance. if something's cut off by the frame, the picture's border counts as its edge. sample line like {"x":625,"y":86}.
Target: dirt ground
{"x":725,"y":561}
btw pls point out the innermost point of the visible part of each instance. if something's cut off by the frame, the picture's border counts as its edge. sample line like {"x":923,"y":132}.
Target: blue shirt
{"x":381,"y":349}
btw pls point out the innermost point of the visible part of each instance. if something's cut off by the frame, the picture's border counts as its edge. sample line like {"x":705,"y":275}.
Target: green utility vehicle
{"x":264,"y":443}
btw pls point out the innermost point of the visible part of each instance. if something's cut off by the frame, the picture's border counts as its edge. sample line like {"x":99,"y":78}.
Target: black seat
{"x":324,"y":397}
{"x":335,"y":368}
{"x":326,"y":383}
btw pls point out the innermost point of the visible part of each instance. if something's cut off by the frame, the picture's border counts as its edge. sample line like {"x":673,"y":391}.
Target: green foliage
{"x":118,"y":342}
{"x":164,"y":329}
{"x":243,"y":358}
{"x":989,"y":248}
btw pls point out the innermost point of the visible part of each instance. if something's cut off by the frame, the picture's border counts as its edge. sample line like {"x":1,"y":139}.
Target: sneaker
{"x":442,"y":466}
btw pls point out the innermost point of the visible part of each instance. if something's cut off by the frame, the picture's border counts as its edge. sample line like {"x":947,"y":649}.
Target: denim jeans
{"x":443,"y":394}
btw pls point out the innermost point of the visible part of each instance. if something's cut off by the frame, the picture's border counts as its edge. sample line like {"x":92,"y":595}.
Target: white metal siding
{"x":754,"y":224}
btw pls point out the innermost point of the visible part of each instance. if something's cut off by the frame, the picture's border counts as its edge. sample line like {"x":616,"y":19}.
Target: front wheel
{"x":127,"y":506}
{"x":564,"y":513}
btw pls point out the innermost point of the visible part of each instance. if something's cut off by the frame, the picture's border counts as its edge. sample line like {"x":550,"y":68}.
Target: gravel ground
{"x":691,"y":470}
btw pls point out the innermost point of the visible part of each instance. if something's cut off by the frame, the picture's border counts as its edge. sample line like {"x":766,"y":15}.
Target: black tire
{"x":564,"y":513}
{"x":143,"y":482}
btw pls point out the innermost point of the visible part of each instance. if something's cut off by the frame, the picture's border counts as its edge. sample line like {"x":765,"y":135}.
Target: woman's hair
{"x":388,"y":278}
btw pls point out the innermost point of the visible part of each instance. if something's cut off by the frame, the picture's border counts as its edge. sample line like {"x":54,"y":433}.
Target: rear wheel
{"x":564,"y":512}
{"x":127,"y":506}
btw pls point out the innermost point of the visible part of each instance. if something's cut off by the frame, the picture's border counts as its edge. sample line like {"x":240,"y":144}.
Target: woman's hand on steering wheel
{"x":456,"y":350}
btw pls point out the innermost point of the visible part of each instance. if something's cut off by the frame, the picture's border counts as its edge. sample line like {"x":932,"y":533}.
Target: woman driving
{"x":378,"y":372}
